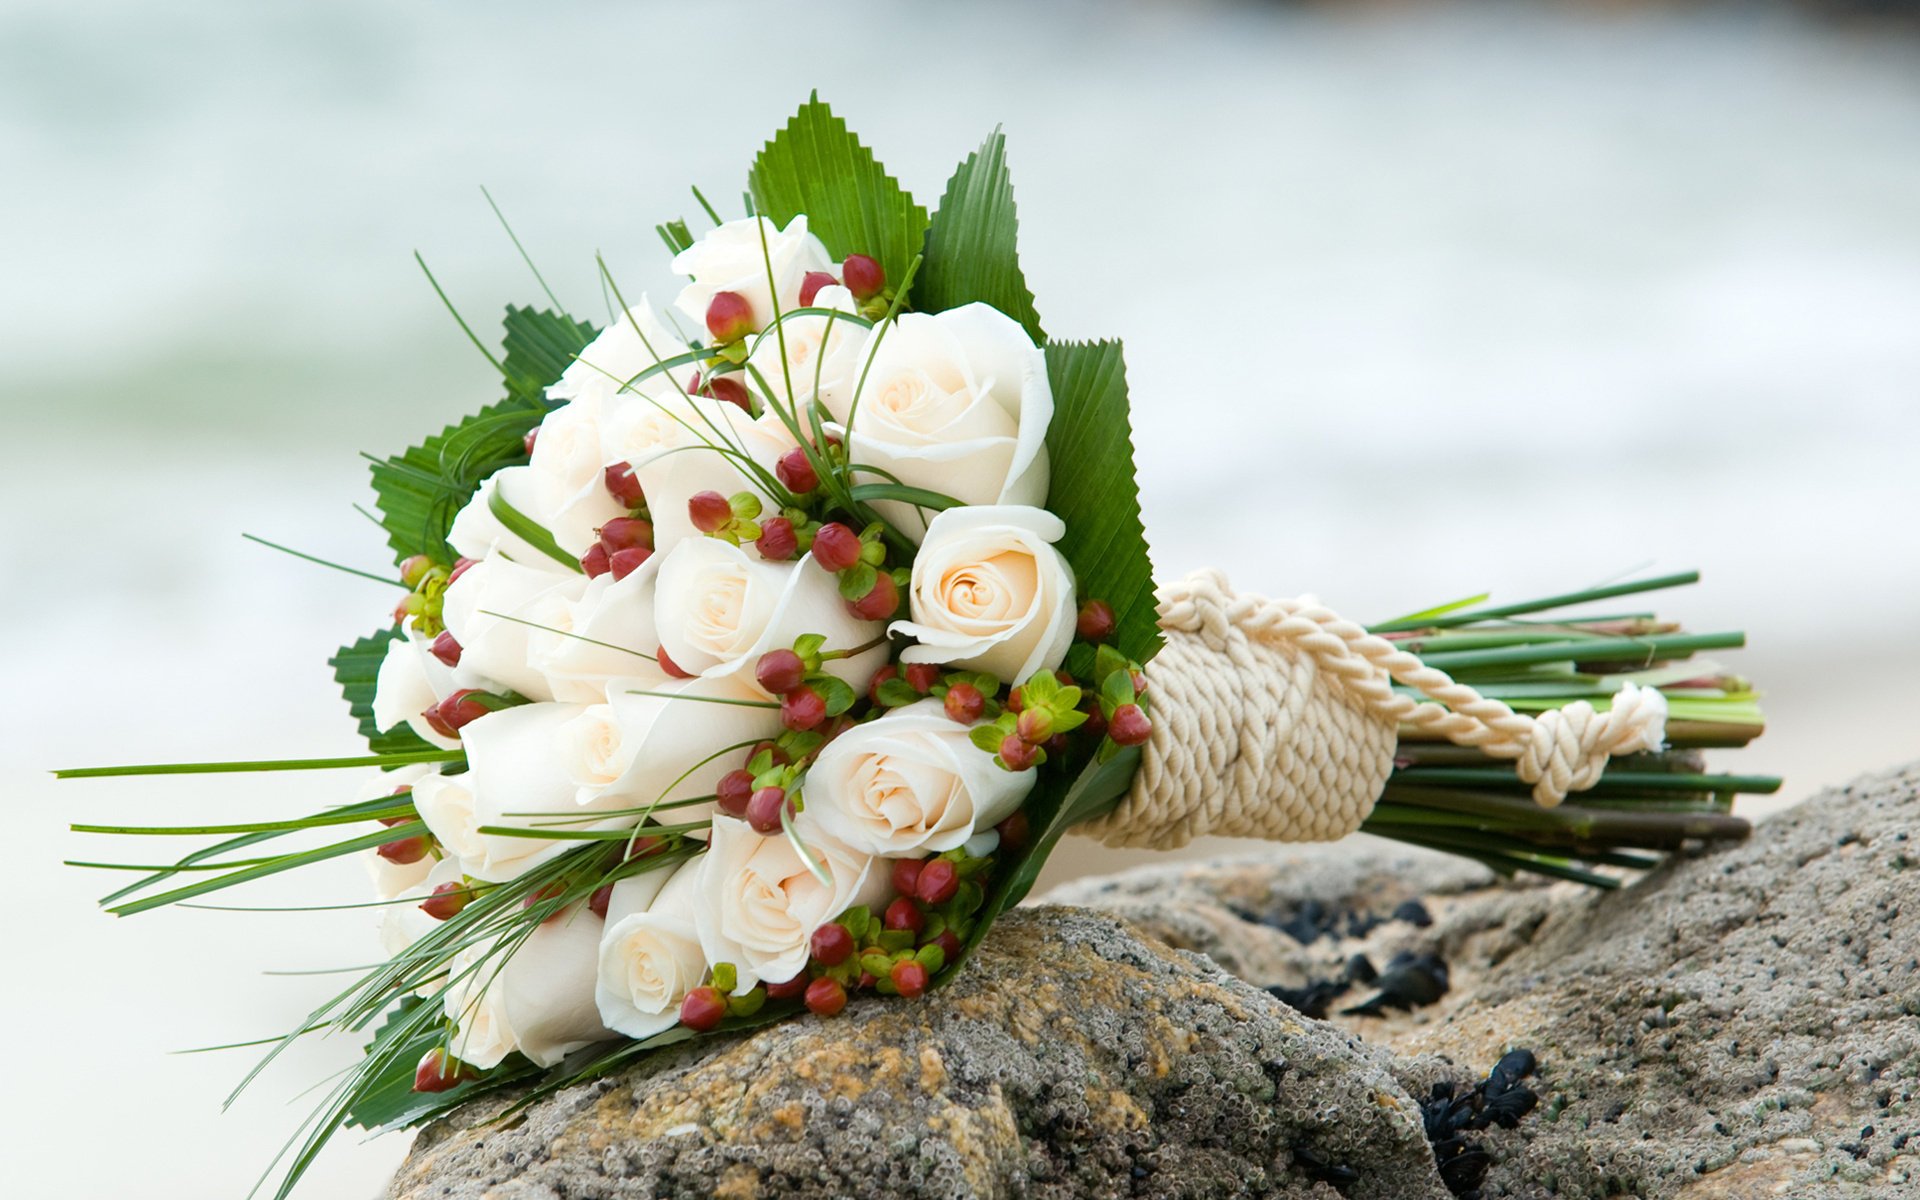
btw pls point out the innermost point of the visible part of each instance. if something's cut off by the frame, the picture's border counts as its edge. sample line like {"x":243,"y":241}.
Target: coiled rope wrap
{"x":1278,"y":719}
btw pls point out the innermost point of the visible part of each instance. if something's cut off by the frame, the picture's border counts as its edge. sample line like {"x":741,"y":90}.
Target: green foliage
{"x":355,"y":667}
{"x":970,"y":251}
{"x":817,"y":167}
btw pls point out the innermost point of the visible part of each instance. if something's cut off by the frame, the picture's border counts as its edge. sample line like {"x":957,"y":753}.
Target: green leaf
{"x":1090,"y":445}
{"x":986,"y":737}
{"x":528,"y":530}
{"x":817,"y":167}
{"x":355,"y":667}
{"x":837,"y":694}
{"x":970,"y":242}
{"x":857,"y":580}
{"x":920,"y":497}
{"x":676,"y":235}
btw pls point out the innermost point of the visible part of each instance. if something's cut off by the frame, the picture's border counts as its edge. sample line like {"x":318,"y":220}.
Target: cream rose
{"x":606,"y":634}
{"x":498,"y":652}
{"x":563,"y":486}
{"x":815,"y":354}
{"x":539,"y":1002}
{"x":955,"y":402}
{"x":990,"y":593}
{"x":734,"y":257}
{"x":404,"y":923}
{"x":391,"y":878}
{"x":718,"y":608}
{"x":711,"y":462}
{"x":411,"y":681}
{"x":612,"y":362}
{"x":759,"y":904}
{"x":650,"y":955}
{"x":910,"y":784}
{"x":477,"y":533}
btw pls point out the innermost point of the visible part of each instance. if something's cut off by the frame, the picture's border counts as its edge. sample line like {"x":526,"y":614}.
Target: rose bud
{"x":878,"y":604}
{"x":1035,"y":725}
{"x":792,"y":989}
{"x":459,"y":568}
{"x":625,"y":488}
{"x":626,"y":562}
{"x":1096,"y":621}
{"x":922,"y":676}
{"x":780,"y":671}
{"x":596,"y":561}
{"x":730,"y":391}
{"x":729,"y":316}
{"x":439,"y":1072}
{"x":703,"y":1009}
{"x":597,"y":903}
{"x":825,"y":997}
{"x":802,"y":709}
{"x":965,"y":703}
{"x":795,"y":472}
{"x":1018,"y":753}
{"x":938,"y":881}
{"x":446,"y":900}
{"x":414,"y":568}
{"x":879,"y":677}
{"x":905,"y":914}
{"x":836,"y":547}
{"x":1128,"y":725}
{"x":910,"y":978}
{"x":709,"y":511}
{"x":532,"y":436}
{"x":777,"y":541}
{"x":733,"y":791}
{"x":810,"y":285}
{"x":1013,"y":832}
{"x":949,"y":943}
{"x":626,"y":533}
{"x":764,"y":808}
{"x":461,"y":708}
{"x":863,"y":276}
{"x":832,"y":944}
{"x":668,"y":665}
{"x":446,"y":649}
{"x":406,"y":850}
{"x":906,"y":875}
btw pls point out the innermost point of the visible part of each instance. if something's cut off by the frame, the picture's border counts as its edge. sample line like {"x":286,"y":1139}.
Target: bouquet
{"x":756,"y":649}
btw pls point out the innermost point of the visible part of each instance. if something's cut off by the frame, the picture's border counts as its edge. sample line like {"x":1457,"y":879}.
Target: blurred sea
{"x":1418,"y":303}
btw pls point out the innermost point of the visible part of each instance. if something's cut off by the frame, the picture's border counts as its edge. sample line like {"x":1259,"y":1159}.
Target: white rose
{"x":565,"y":482}
{"x":759,"y":904}
{"x":712,"y":463}
{"x":539,"y":1002}
{"x":734,"y":257}
{"x":990,"y":593}
{"x":496,"y":651}
{"x":820,"y":354}
{"x":661,"y":743}
{"x":628,"y":346}
{"x":955,"y":402}
{"x":910,"y":784}
{"x":606,"y":634}
{"x":476,"y":532}
{"x":650,"y":955}
{"x":411,"y":681}
{"x":392,"y":878}
{"x":403,"y":924}
{"x":718,"y":608}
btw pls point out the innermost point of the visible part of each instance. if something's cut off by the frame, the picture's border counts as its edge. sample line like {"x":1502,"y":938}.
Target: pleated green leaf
{"x":970,"y":254}
{"x":355,"y":667}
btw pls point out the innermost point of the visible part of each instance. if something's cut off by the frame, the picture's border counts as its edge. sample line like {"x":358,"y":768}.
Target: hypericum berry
{"x":878,"y":604}
{"x":909,"y":977}
{"x":709,"y":511}
{"x":906,"y":875}
{"x":777,"y":541}
{"x":938,"y":881}
{"x":792,"y":989}
{"x":733,"y":791}
{"x":764,"y":808}
{"x":810,"y":285}
{"x":922,"y":676}
{"x":802,"y":709}
{"x":641,"y":847}
{"x":461,"y":709}
{"x":405,"y":851}
{"x":446,"y":900}
{"x":625,"y":488}
{"x":965,"y":703}
{"x":703,"y":1009}
{"x":729,"y":316}
{"x":836,"y":547}
{"x":1056,"y":745}
{"x":731,"y":391}
{"x":597,"y":561}
{"x":795,"y":472}
{"x":864,"y":277}
{"x":597,"y":903}
{"x":414,"y":568}
{"x":626,"y":533}
{"x":1128,"y":725}
{"x":446,"y":648}
{"x":626,"y":562}
{"x":949,"y":943}
{"x":879,"y":677}
{"x":780,"y":671}
{"x":460,"y":566}
{"x":832,"y":944}
{"x":825,"y":997}
{"x":552,"y":891}
{"x":532,"y":436}
{"x":1096,"y":621}
{"x":905,"y":914}
{"x":671,"y":667}
{"x":1013,"y":832}
{"x":777,"y":756}
{"x":1018,"y":753}
{"x":1035,"y":725}
{"x":439,"y":1072}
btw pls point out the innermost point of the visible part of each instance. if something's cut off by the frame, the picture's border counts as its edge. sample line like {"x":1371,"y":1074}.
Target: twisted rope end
{"x":1570,"y":746}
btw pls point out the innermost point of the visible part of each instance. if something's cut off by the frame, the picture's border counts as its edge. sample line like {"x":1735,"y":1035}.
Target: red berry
{"x":879,"y":677}
{"x":832,"y":944}
{"x":641,"y":847}
{"x":460,"y":568}
{"x":922,"y":676}
{"x":764,"y":808}
{"x":1018,"y":753}
{"x":626,"y":533}
{"x":532,"y":436}
{"x":625,"y":488}
{"x":729,"y":316}
{"x":905,"y":914}
{"x":553,"y":891}
{"x":910,"y":977}
{"x":596,"y":561}
{"x":1096,"y":621}
{"x":1056,"y":745}
{"x":731,"y":391}
{"x":938,"y":881}
{"x":965,"y":703}
{"x":438,"y":723}
{"x":1128,"y":725}
{"x":1035,"y":725}
{"x":446,"y":649}
{"x":1016,"y":700}
{"x":864,"y":277}
{"x":878,"y":604}
{"x":802,"y":708}
{"x":669,"y":666}
{"x":1139,"y":682}
{"x":703,"y":1009}
{"x":461,"y":709}
{"x":709,"y":511}
{"x":626,"y":562}
{"x":795,"y":472}
{"x":1096,"y":722}
{"x":810,"y":285}
{"x":597,"y":903}
{"x":949,"y":944}
{"x":866,"y":980}
{"x":405,"y":851}
{"x":825,"y":997}
{"x":440,"y":1072}
{"x":777,"y":541}
{"x":792,"y":989}
{"x":906,"y":875}
{"x":733,"y":791}
{"x":780,"y":671}
{"x":1013,"y":832}
{"x":446,"y":900}
{"x":836,"y":547}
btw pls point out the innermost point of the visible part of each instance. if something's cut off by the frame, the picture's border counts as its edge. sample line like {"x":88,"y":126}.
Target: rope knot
{"x":1570,"y":746}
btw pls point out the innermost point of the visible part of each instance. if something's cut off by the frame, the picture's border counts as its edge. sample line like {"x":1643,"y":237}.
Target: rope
{"x":1279,"y":718}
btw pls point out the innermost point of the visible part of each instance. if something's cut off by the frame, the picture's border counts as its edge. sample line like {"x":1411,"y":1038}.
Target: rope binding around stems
{"x":1279,"y":719}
